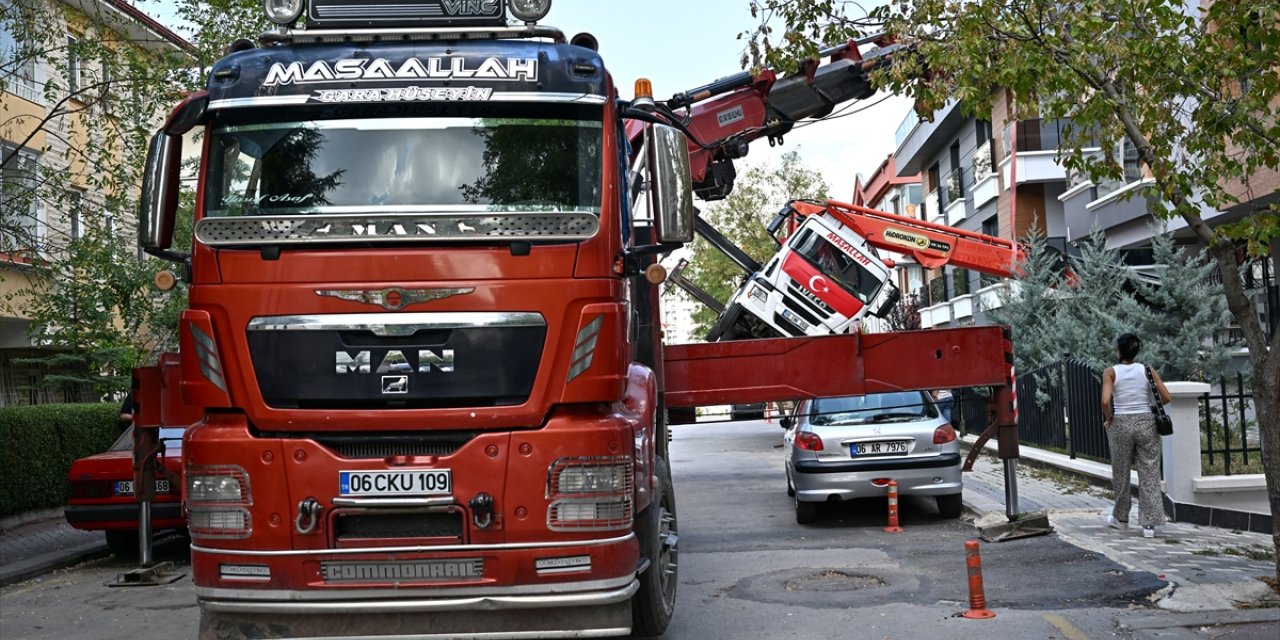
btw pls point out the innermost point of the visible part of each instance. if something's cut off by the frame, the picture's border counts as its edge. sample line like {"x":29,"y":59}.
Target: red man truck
{"x":423,"y":331}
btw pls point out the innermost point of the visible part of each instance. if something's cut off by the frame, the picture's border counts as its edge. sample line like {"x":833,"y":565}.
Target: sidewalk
{"x":1210,"y":571}
{"x":44,"y":545}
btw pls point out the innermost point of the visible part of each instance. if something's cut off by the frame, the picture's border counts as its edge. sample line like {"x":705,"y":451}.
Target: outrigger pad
{"x":1025,"y":526}
{"x":152,"y":576}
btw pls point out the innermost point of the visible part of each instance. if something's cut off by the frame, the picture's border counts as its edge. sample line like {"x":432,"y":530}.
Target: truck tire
{"x":122,"y":544}
{"x":725,"y":326}
{"x":655,"y":602}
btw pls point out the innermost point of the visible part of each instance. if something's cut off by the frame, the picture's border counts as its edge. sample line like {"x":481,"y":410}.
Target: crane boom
{"x":722,"y":118}
{"x":931,"y":245}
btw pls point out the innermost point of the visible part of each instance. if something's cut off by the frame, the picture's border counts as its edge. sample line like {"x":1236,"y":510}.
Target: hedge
{"x":39,"y":443}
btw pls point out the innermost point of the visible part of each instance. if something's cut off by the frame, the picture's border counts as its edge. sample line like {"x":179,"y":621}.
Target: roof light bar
{"x":282,"y":12}
{"x":529,"y":10}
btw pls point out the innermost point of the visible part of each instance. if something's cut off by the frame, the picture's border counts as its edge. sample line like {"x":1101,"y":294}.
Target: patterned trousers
{"x":1134,"y":441}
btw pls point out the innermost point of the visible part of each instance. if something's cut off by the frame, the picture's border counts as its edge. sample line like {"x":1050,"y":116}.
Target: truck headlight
{"x":758,"y":294}
{"x":282,"y":11}
{"x":529,"y":10}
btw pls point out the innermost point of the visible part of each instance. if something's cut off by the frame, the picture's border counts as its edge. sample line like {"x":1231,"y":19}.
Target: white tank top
{"x":1131,"y":393}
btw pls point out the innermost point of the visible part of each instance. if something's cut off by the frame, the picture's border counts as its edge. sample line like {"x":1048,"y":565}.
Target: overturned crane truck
{"x":423,"y":332}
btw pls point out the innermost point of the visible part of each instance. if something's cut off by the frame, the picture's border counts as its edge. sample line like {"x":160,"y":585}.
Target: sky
{"x":679,"y":47}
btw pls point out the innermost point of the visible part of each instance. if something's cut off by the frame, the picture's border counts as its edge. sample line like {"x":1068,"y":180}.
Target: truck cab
{"x":822,"y":280}
{"x":418,"y":329}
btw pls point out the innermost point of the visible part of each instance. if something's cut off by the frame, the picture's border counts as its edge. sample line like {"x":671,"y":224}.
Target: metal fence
{"x":1228,"y":425}
{"x":1059,"y":410}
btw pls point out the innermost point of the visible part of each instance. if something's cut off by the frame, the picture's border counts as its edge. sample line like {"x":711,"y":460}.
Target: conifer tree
{"x":1185,"y":309}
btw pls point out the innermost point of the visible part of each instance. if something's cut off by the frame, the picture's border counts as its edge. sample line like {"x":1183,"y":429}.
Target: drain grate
{"x":832,"y":580}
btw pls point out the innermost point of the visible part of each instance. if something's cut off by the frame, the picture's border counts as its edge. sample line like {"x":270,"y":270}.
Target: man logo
{"x":395,"y":384}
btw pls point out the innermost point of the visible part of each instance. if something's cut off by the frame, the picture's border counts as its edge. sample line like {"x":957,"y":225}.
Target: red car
{"x":101,"y":492}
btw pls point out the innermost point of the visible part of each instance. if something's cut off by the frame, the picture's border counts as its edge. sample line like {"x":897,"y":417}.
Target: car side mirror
{"x":786,"y":422}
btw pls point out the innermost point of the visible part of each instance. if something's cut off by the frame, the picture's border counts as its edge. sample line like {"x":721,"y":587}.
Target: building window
{"x":21,"y":77}
{"x":982,"y":131}
{"x":76,"y":215}
{"x":73,"y":66}
{"x":956,"y":180}
{"x":20,"y":207}
{"x":1129,"y":160}
{"x":991,"y":226}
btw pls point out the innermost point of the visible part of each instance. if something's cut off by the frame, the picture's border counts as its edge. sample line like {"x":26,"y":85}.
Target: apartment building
{"x":1001,"y":177}
{"x":51,"y":103}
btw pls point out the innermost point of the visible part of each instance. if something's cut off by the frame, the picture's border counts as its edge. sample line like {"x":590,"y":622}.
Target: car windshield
{"x":897,"y":406}
{"x":171,"y":436}
{"x":404,"y":165}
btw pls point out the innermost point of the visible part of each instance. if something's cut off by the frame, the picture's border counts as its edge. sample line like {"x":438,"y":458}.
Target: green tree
{"x":1184,"y":310}
{"x":67,"y":218}
{"x":757,"y":196}
{"x":1194,"y":95}
{"x":1097,"y":305}
{"x":1033,"y":304}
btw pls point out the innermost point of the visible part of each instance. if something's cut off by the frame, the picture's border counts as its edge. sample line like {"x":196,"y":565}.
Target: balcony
{"x":1038,"y":142}
{"x":955,"y":212}
{"x":986,"y":186}
{"x":933,"y":209}
{"x":924,"y":140}
{"x":938,"y":315}
{"x":962,"y":310}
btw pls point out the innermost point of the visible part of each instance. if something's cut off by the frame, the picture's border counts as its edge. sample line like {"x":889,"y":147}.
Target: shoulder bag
{"x":1164,"y":424}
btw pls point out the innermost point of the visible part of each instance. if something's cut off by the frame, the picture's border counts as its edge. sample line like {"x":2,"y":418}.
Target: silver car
{"x":850,"y":447}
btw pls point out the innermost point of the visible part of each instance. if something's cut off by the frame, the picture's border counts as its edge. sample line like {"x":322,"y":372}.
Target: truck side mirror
{"x":785,"y":422}
{"x":158,"y":205}
{"x":890,"y":300}
{"x":670,"y":184}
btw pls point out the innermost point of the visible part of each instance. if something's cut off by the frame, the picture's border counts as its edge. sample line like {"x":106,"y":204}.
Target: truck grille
{"x":806,"y":304}
{"x":376,"y":446}
{"x":445,"y":527}
{"x":396,"y":360}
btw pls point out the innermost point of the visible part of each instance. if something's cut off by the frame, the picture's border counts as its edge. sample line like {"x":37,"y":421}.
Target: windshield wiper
{"x":895,"y":417}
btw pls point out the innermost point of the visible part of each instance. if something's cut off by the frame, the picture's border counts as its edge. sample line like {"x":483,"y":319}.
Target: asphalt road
{"x":747,"y":570}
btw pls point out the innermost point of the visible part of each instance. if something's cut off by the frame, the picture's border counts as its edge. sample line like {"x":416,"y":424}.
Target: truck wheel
{"x":951,"y":506}
{"x":806,"y":512}
{"x":653,"y":604}
{"x":123,"y":544}
{"x":725,"y":327}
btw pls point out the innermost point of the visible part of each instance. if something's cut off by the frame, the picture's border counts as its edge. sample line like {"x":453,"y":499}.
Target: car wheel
{"x":951,"y":506}
{"x":806,"y":512}
{"x":123,"y":544}
{"x":791,"y":488}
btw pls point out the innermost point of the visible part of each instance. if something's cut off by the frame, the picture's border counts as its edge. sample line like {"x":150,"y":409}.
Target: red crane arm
{"x":930,"y":244}
{"x":725,"y":116}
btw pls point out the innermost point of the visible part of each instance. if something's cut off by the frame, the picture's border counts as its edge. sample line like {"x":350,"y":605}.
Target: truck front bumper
{"x":507,"y":602}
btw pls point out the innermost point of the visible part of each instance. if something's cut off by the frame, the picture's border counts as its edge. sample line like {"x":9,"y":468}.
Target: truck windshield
{"x":404,"y":165}
{"x":837,"y":265}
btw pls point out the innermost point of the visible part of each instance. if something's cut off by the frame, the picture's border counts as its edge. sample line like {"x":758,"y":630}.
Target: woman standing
{"x":1131,"y":429}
